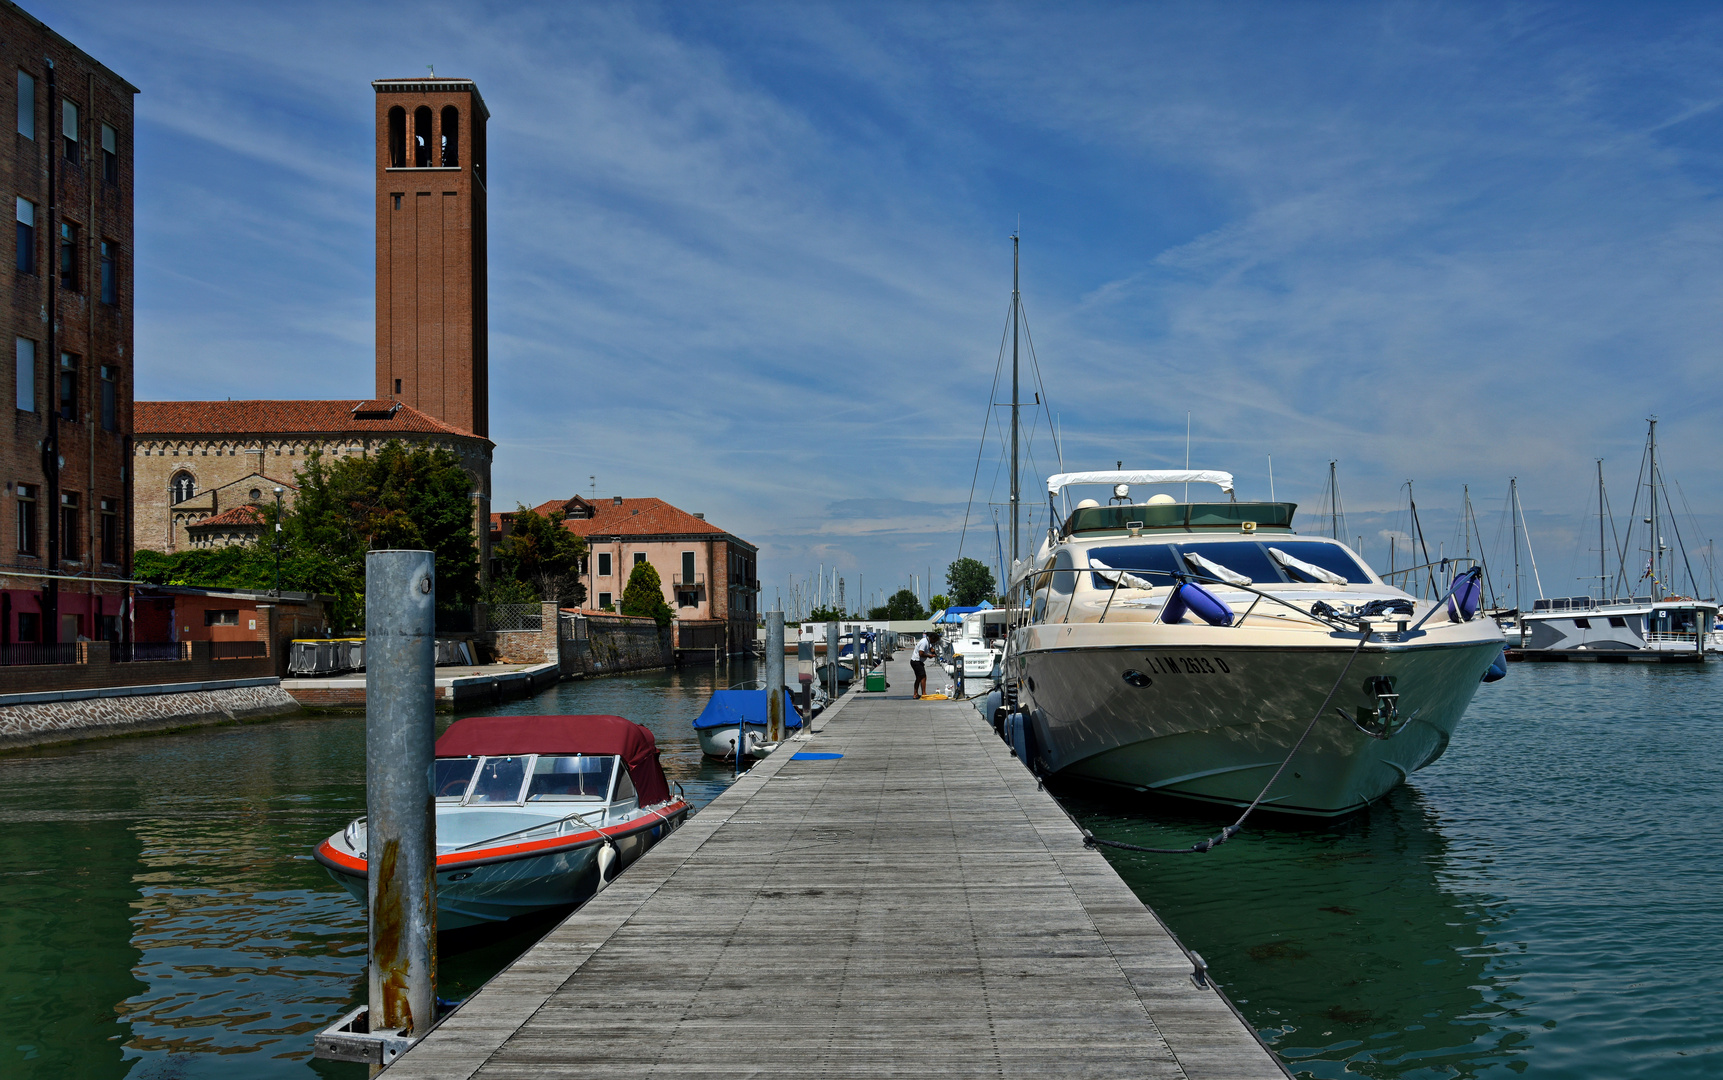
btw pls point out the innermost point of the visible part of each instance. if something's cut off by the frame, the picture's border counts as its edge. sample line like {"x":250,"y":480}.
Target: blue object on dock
{"x":805,"y":756}
{"x":729,"y":708}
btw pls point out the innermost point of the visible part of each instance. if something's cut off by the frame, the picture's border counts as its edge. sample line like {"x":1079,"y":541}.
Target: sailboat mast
{"x":1656,"y":530}
{"x":1514,"y":508}
{"x":1016,"y":302}
{"x":1602,"y":567}
{"x":1333,"y":503}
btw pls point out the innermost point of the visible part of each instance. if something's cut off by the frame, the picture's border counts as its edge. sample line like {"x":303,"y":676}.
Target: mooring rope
{"x":1202,"y":846}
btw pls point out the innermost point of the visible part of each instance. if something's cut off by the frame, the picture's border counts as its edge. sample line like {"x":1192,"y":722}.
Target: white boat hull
{"x":1214,"y":723}
{"x":720,"y":742}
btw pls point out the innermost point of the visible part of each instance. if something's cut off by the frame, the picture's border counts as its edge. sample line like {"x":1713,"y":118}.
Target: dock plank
{"x":919,"y":905}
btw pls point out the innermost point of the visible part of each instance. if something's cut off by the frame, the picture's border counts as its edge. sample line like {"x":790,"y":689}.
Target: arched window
{"x":451,"y":137}
{"x":183,"y":487}
{"x":397,"y":137}
{"x":422,"y":137}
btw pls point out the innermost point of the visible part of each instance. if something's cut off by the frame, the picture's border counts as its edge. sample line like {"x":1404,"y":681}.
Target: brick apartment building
{"x":199,"y":461}
{"x":708,"y":574}
{"x":65,"y":515}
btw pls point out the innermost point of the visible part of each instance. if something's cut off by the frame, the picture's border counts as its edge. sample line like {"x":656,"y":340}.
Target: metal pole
{"x":832,"y":658}
{"x":774,"y":676}
{"x":401,"y":824}
{"x":1015,"y":303}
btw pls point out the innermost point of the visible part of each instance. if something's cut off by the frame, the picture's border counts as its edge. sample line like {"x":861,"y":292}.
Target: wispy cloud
{"x":753,"y":258}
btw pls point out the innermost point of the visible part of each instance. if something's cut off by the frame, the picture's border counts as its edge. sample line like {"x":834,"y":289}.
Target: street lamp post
{"x":278,"y":543}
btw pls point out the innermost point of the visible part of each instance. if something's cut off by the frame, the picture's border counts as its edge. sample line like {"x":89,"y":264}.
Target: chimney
{"x":701,"y":516}
{"x":616,"y":500}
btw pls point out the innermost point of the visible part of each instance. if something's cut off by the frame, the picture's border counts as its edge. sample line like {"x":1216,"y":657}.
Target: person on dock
{"x":926,"y":649}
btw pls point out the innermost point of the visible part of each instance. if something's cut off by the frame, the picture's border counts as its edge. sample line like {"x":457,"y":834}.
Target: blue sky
{"x":754,"y":258}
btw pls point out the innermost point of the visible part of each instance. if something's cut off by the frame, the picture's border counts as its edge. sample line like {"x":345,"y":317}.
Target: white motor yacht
{"x":1186,"y":647}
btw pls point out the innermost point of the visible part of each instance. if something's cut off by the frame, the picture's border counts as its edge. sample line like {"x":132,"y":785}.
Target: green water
{"x":160,"y":913}
{"x":1546,"y":901}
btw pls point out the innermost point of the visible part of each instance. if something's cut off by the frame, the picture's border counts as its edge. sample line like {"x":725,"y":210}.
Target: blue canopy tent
{"x":954,"y":615}
{"x":730,"y":708}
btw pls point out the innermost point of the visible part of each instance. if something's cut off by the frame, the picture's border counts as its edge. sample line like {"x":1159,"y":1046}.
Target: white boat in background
{"x":739,"y":716}
{"x":533,"y":812}
{"x":1185,"y":648}
{"x":978,"y":647}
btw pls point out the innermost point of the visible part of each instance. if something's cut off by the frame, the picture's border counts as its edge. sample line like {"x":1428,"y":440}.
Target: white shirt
{"x":925,"y":649}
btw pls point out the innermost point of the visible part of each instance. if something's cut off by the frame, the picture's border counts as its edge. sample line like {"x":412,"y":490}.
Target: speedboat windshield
{"x":499,"y":780}
{"x":564,"y":779}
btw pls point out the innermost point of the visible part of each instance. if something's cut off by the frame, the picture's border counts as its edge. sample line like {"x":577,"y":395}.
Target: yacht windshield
{"x":453,"y":775}
{"x":499,"y":780}
{"x":1331,"y":557}
{"x":1241,"y":557}
{"x":1161,"y":561}
{"x":561,"y":779}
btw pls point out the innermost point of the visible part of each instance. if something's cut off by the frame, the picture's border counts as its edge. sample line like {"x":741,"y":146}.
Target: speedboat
{"x":533,"y":812}
{"x":740,"y":714}
{"x":1187,"y":648}
{"x":978,"y":647}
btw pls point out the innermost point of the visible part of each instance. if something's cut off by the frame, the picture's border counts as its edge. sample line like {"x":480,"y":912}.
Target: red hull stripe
{"x":336,"y":857}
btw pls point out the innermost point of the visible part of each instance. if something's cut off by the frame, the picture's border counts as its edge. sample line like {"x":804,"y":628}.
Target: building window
{"x":26,"y":519}
{"x":110,"y":154}
{"x":26,"y":236}
{"x":687,"y":568}
{"x":110,"y":273}
{"x":604,"y":600}
{"x":68,"y":526}
{"x":221,"y":617}
{"x":182,"y":487}
{"x":29,"y":627}
{"x":603,"y":565}
{"x":110,"y":398}
{"x":26,"y":380}
{"x":639,"y":557}
{"x":26,"y":105}
{"x":451,"y":156}
{"x":68,"y":256}
{"x":110,"y":532}
{"x":397,"y":142}
{"x":422,"y":137}
{"x":68,"y":386}
{"x":397,"y":387}
{"x":69,"y":130}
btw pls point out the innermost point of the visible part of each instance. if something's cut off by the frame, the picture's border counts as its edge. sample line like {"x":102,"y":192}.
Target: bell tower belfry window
{"x":432,"y":289}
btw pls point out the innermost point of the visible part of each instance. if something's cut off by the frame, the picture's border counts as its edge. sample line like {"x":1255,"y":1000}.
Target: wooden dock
{"x":917,"y":906}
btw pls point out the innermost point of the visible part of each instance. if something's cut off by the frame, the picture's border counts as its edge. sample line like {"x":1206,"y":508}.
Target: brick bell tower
{"x":431,"y":277}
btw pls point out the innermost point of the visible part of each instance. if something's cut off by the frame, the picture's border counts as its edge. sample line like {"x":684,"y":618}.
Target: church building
{"x":199,"y":465}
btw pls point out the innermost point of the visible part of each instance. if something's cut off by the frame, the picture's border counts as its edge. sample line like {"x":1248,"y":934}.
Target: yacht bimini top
{"x":1059,"y":481}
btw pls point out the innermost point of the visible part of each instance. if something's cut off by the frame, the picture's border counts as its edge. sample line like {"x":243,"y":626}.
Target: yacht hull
{"x":1213,"y":723}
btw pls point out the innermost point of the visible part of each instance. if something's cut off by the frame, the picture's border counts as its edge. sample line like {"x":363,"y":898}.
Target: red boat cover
{"x":501,"y":735}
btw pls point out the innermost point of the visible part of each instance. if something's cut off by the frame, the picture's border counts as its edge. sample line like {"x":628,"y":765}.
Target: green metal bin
{"x":875,"y":683}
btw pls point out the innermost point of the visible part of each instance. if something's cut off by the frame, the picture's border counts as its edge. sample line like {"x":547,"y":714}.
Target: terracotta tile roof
{"x":633,"y":517}
{"x":239,"y":515}
{"x":285,"y":417}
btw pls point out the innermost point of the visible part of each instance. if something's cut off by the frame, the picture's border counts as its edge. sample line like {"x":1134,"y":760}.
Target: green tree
{"x":904,"y":604}
{"x":644,"y":594}
{"x":938,"y":602}
{"x":970,"y":582}
{"x":544,"y":556}
{"x":241,"y":566}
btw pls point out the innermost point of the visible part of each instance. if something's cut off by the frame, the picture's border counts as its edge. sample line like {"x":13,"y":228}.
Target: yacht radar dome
{"x":1162,"y":499}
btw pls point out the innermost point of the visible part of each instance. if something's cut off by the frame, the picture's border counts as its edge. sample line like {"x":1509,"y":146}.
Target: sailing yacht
{"x":1187,"y":648}
{"x":1658,"y":626}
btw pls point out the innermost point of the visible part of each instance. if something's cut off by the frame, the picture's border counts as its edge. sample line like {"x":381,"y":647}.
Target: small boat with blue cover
{"x":734,"y":714}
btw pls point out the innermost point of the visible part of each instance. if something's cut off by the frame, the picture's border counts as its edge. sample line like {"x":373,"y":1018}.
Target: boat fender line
{"x":1203,"y":846}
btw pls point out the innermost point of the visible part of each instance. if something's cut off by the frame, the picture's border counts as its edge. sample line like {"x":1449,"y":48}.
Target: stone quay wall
{"x":100,"y":715}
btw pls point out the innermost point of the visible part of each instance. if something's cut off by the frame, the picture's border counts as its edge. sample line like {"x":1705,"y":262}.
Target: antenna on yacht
{"x":1271,"y":478}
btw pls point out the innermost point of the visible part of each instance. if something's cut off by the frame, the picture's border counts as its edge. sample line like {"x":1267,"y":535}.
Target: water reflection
{"x":1339,"y":941}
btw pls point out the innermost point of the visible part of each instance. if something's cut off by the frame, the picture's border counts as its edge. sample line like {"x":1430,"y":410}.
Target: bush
{"x":644,"y":594}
